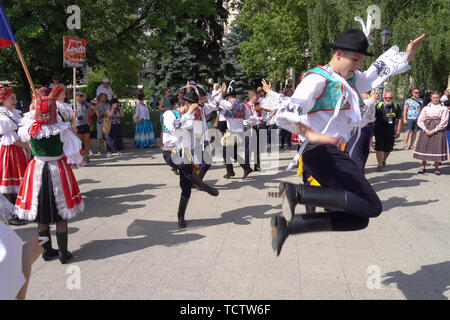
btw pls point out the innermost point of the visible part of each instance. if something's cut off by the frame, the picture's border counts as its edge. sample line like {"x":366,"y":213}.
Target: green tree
{"x":231,"y":69}
{"x":278,"y":37}
{"x":192,"y":51}
{"x":114,"y":29}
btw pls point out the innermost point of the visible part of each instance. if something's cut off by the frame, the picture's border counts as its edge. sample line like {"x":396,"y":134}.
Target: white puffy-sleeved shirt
{"x":142,"y":112}
{"x":177,"y":132}
{"x":237,"y":124}
{"x":296,"y":108}
{"x":9,"y":124}
{"x":71,"y":143}
{"x":200,"y":126}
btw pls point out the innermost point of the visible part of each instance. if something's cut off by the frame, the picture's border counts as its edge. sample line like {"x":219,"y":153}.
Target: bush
{"x":91,"y":89}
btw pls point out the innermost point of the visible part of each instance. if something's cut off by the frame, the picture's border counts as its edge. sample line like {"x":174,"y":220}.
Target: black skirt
{"x":47,"y":212}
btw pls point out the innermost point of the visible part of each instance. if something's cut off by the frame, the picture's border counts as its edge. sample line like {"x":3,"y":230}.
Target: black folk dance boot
{"x":302,"y":223}
{"x":308,"y":195}
{"x":49,"y":253}
{"x":311,"y":196}
{"x":195,"y":179}
{"x":230,"y":171}
{"x":64,"y":254}
{"x":247,"y":170}
{"x":181,"y":211}
{"x":201,"y":175}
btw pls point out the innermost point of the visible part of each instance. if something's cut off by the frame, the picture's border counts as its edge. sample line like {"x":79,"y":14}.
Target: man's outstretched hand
{"x":413,"y":46}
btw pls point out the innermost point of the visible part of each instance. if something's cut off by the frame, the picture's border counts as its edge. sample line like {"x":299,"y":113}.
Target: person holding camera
{"x":115,"y":137}
{"x":82,"y":123}
{"x":100,"y":110}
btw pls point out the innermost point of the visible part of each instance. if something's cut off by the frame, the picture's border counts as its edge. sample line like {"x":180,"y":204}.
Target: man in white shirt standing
{"x":238,"y":117}
{"x":105,"y":88}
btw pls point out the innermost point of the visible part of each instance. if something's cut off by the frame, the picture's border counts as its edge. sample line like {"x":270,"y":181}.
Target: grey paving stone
{"x":128,"y":245}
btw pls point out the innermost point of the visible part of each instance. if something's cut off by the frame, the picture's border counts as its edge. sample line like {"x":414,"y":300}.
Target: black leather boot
{"x":281,"y":229}
{"x":230,"y":171}
{"x":195,"y":179}
{"x":49,"y":253}
{"x":17,"y":222}
{"x":314,"y":196}
{"x":201,"y":175}
{"x":181,"y":211}
{"x":247,"y":170}
{"x":64,"y":254}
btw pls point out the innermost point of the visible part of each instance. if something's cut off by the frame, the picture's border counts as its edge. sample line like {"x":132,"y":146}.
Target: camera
{"x":80,"y":117}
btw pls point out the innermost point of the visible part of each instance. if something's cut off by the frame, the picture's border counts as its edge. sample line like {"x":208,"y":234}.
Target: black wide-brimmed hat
{"x":352,"y":40}
{"x":191,"y":96}
{"x":201,"y":91}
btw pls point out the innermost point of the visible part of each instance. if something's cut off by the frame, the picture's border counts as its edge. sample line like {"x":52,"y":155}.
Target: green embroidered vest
{"x":47,"y":147}
{"x":332,"y":93}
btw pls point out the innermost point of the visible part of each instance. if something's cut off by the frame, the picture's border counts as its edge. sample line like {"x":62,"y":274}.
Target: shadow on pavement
{"x":395,"y":180}
{"x":83,"y":181}
{"x":404,"y":166}
{"x":394,"y":202}
{"x":255,"y":179}
{"x":428,"y":283}
{"x":31,"y":229}
{"x":109,"y":202}
{"x":166,"y":233}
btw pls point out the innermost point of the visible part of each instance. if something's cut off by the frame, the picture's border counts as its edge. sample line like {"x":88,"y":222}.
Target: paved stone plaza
{"x":127,"y":244}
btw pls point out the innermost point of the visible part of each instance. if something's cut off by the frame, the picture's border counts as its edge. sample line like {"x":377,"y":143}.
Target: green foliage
{"x":296,"y":34}
{"x":279,"y":38}
{"x":192,"y":51}
{"x":430,"y":67}
{"x":231,"y":69}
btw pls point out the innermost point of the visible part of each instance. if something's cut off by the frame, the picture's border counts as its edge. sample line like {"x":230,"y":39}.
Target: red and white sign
{"x":74,"y":52}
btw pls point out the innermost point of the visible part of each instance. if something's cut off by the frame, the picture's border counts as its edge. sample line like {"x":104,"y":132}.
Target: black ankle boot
{"x":181,"y":211}
{"x":230,"y":171}
{"x":195,"y":179}
{"x":49,"y":253}
{"x":64,"y":254}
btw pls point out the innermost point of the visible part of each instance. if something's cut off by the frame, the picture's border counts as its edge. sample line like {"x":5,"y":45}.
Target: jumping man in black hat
{"x":323,"y":111}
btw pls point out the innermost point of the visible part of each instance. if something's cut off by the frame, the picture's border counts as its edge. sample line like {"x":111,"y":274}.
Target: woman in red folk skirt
{"x":49,"y":193}
{"x":14,"y":154}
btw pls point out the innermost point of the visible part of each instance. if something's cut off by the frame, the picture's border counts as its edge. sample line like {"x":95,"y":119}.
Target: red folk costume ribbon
{"x":5,"y":92}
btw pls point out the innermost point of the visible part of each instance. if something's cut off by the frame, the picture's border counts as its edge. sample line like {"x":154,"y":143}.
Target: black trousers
{"x":202,"y":155}
{"x":285,"y":137}
{"x":249,"y":143}
{"x":230,"y":153}
{"x":334,"y":168}
{"x":173,"y":160}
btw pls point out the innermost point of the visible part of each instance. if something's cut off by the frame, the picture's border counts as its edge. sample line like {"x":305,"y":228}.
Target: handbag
{"x":215,"y":122}
{"x":106,"y":125}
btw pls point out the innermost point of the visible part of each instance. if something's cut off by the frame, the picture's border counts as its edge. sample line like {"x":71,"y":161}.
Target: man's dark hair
{"x":141,"y":96}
